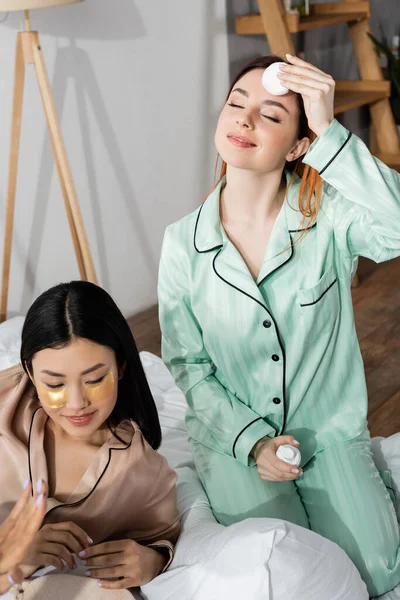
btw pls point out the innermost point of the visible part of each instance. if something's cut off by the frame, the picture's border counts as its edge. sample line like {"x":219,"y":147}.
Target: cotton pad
{"x":271,"y":82}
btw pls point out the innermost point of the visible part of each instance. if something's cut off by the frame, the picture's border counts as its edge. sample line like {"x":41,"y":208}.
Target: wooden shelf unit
{"x":371,"y":90}
{"x":321,"y":15}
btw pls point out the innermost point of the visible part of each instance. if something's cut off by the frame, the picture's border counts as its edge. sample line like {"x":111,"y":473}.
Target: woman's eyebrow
{"x":241,"y":91}
{"x":266,"y":102}
{"x":52,"y":373}
{"x":90,"y":370}
{"x":94,"y":368}
{"x":275,"y":103}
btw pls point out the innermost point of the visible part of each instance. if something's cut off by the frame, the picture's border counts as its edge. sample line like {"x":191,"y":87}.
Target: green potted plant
{"x":392,"y":71}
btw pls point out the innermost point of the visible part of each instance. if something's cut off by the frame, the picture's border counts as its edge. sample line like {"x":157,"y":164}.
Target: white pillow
{"x":386,"y":453}
{"x":257,"y":559}
{"x":10,"y":342}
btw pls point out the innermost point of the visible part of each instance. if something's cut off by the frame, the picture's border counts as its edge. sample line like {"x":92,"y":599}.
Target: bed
{"x":257,"y":559}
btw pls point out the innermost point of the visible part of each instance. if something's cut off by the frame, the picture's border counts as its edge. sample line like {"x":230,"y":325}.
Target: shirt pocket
{"x":319,"y":306}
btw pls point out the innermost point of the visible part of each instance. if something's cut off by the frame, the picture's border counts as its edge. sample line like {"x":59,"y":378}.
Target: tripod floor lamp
{"x":28,"y":51}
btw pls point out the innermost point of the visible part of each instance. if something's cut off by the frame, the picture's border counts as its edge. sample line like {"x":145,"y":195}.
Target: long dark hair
{"x":82,"y":309}
{"x":309,"y":198}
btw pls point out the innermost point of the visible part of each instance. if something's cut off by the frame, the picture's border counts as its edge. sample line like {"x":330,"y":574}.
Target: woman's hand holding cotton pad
{"x":271,"y":82}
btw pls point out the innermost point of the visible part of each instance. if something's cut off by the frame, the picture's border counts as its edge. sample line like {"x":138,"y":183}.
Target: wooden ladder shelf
{"x":371,"y":90}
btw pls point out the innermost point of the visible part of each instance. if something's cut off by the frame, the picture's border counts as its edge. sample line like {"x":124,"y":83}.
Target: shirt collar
{"x":209,"y":234}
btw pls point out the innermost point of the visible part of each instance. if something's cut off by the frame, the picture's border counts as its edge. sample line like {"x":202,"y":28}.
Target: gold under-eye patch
{"x":52,"y":398}
{"x":96,"y":392}
{"x":102,"y":391}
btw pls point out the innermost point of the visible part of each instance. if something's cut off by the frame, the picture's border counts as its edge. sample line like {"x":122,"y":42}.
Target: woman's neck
{"x":252,"y":198}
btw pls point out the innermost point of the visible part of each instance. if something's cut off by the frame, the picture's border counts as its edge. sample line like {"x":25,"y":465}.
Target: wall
{"x":138,"y":86}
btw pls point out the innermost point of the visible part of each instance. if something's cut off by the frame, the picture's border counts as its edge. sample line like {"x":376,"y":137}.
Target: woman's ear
{"x":121,"y":371}
{"x":300,"y":148}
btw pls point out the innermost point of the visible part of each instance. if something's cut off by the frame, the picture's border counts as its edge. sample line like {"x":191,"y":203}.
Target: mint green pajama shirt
{"x":280,"y":355}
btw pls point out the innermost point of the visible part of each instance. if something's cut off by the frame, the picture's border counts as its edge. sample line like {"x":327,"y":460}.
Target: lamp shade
{"x":9,"y":5}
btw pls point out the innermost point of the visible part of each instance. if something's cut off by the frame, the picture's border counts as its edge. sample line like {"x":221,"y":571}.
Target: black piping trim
{"x":281,"y":265}
{"x":320,"y":298}
{"x":82,"y":500}
{"x":277,"y":333}
{"x":305,"y":228}
{"x":338,"y":152}
{"x":194,"y":236}
{"x":240,"y":433}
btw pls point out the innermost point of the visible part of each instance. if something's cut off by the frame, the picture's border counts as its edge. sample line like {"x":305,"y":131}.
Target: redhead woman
{"x":257,"y":318}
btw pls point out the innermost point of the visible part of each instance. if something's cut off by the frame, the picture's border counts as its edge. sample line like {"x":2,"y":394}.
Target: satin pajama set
{"x":280,"y":355}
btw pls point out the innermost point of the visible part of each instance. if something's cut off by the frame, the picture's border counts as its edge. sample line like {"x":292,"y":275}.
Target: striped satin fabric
{"x":340,"y":496}
{"x":280,"y":354}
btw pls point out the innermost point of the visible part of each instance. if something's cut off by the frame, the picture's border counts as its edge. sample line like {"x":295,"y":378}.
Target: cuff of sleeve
{"x":169,"y":550}
{"x":248,"y":437}
{"x":325,"y":148}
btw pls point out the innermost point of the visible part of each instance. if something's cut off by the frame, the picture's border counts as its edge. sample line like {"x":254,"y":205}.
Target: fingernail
{"x":89,"y":540}
{"x":26,"y":483}
{"x":295,"y":471}
{"x":99,"y":584}
{"x":83,"y":553}
{"x":11,"y":580}
{"x":39,"y":485}
{"x":87,"y":573}
{"x":296,"y":442}
{"x":84,"y":562}
{"x":288,"y":55}
{"x":39,"y":500}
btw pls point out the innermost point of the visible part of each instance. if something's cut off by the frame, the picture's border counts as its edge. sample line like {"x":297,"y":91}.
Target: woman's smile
{"x":81,"y":420}
{"x":240,"y":140}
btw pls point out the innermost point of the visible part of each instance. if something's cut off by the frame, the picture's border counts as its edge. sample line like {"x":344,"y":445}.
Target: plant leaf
{"x":395,"y":102}
{"x":382,"y":49}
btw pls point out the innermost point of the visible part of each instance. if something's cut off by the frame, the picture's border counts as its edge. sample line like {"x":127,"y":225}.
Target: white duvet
{"x":257,"y":559}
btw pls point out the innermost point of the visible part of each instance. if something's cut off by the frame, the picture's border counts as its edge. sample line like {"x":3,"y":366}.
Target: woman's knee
{"x":379,"y":566}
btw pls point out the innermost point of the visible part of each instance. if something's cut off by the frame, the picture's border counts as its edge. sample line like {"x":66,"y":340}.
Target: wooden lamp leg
{"x":28,"y":51}
{"x":19,"y":82}
{"x":81,"y":244}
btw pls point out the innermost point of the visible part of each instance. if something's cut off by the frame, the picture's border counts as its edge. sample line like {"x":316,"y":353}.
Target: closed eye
{"x":96,"y":381}
{"x":54,"y":387}
{"x":271,"y":118}
{"x":235,"y":105}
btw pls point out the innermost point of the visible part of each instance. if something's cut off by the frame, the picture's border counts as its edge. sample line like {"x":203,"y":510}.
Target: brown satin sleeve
{"x":12,"y":384}
{"x":168,"y":547}
{"x":161,"y":511}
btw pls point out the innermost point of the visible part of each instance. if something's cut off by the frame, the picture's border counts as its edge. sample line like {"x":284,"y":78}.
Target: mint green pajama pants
{"x":341,"y":496}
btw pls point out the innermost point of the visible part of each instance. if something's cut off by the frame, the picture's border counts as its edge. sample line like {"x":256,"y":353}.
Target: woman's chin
{"x":236,"y":161}
{"x":247,"y":163}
